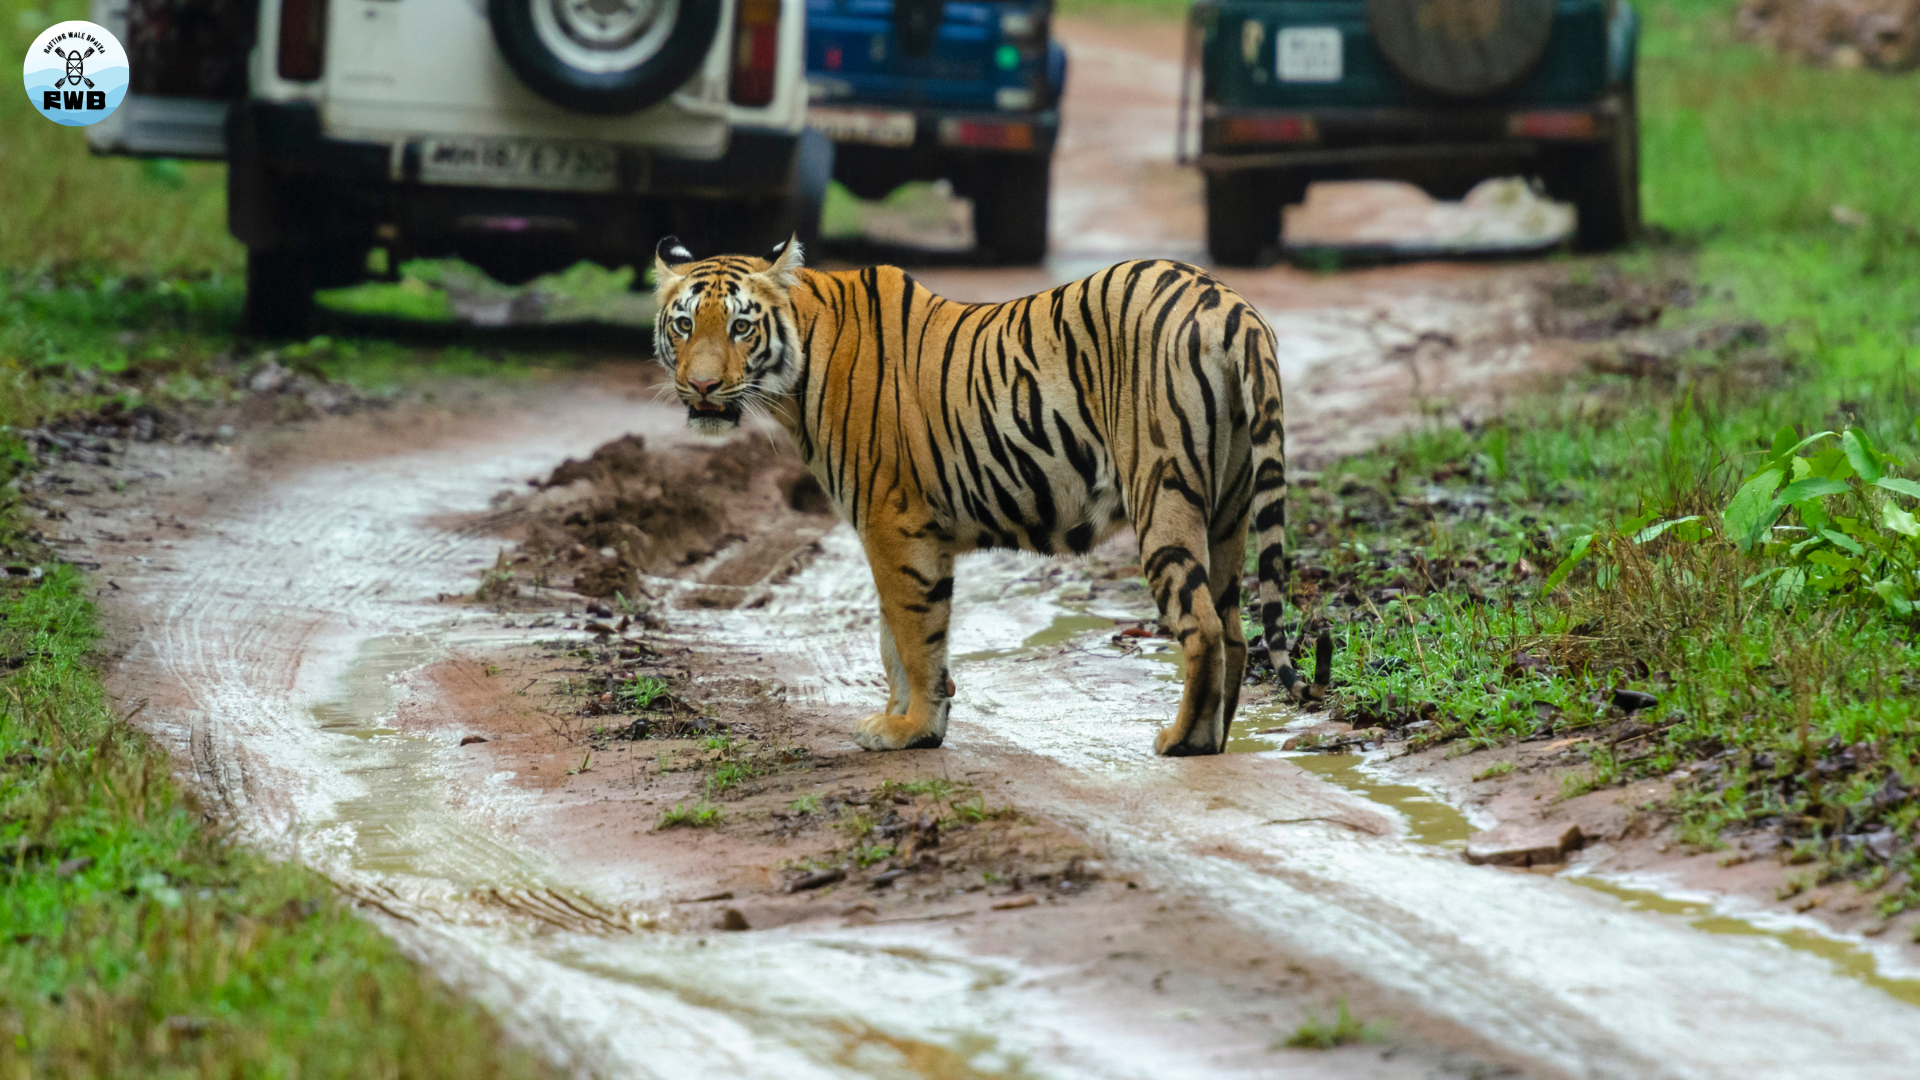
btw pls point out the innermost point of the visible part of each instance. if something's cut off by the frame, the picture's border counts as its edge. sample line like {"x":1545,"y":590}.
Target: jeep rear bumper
{"x":290,"y":186}
{"x":1234,"y":139}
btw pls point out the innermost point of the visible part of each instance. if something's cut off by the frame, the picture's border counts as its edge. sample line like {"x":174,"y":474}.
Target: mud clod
{"x":730,"y":515}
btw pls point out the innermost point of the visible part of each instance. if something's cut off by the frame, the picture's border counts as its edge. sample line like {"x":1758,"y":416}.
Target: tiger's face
{"x":725,"y":330}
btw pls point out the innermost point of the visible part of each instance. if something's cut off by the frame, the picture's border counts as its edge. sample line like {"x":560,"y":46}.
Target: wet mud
{"x":605,"y":526}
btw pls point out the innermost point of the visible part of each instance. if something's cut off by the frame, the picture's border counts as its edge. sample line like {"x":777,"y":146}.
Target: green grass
{"x":1796,"y":719}
{"x":700,"y":815}
{"x":1343,"y":1030}
{"x":134,"y":941}
{"x":640,"y":694}
{"x":936,"y":788}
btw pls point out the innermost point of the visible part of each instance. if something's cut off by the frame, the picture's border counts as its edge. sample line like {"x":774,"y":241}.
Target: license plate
{"x":534,"y":163}
{"x":863,"y":126}
{"x":1309,"y":54}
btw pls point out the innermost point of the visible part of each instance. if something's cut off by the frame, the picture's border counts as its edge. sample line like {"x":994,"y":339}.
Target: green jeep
{"x":1442,"y":93}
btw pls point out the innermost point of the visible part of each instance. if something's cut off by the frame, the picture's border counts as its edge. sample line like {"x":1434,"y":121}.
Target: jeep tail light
{"x":987,"y":134}
{"x":1556,"y":124}
{"x":303,"y":40}
{"x":1270,"y":129}
{"x":756,"y":49}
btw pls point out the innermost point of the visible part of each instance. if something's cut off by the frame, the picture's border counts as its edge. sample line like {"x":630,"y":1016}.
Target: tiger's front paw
{"x":887,"y":731}
{"x":1171,"y":742}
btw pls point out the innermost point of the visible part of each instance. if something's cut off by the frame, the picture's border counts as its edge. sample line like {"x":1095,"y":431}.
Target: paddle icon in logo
{"x":76,"y":73}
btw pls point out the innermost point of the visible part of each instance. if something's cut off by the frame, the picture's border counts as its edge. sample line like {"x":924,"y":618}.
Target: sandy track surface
{"x":276,"y":607}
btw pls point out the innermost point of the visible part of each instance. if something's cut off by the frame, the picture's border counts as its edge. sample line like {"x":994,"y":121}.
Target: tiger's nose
{"x":704,"y":387}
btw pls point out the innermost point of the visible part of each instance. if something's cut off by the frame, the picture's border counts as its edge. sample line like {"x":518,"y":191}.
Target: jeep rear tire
{"x":605,"y":57}
{"x":280,"y":288}
{"x":1243,"y":217}
{"x":1010,"y":209}
{"x":1604,"y":184}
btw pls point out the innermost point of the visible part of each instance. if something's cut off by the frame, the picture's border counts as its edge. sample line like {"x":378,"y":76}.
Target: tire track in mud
{"x":269,"y":650}
{"x":1549,"y":970}
{"x":273,"y":645}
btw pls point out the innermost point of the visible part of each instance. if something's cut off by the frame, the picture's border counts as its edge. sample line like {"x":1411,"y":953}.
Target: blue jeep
{"x":1443,"y":93}
{"x":960,"y":90}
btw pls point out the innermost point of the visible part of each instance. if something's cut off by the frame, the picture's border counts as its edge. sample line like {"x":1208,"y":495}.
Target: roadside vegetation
{"x":135,"y":938}
{"x":1699,"y":562}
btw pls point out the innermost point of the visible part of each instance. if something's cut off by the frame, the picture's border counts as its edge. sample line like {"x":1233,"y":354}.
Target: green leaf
{"x":1783,"y":445}
{"x":1653,"y":531}
{"x":1813,"y":514}
{"x":1751,"y":511}
{"x":1779,"y":458}
{"x":1890,"y":592}
{"x":1831,"y":463}
{"x":1899,"y":520}
{"x":1582,"y":546}
{"x":1762,"y":576}
{"x":1831,"y":558}
{"x":1845,"y":541}
{"x":1899,"y":486}
{"x":1806,"y":545}
{"x":1787,"y":588}
{"x":1860,"y":453}
{"x":1814,"y":487}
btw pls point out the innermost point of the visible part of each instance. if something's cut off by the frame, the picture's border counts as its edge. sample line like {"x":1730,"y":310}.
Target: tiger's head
{"x":725,"y":330}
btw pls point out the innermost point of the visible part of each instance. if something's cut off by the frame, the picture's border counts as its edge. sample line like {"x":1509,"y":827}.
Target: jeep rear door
{"x":188,"y":61}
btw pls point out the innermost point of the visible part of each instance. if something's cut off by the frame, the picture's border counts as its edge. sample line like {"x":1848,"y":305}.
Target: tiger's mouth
{"x":713,"y":413}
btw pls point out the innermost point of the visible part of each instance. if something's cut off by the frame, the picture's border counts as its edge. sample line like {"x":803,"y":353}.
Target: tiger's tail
{"x":1260,"y":385}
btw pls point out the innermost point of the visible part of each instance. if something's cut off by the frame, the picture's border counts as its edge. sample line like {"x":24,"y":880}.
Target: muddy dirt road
{"x":296,"y":614}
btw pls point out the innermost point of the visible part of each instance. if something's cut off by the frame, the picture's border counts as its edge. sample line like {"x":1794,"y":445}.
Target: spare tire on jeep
{"x":605,"y":57}
{"x":1461,"y":48}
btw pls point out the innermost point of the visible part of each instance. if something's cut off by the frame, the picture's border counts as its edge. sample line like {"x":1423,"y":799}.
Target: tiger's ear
{"x":785,"y":261}
{"x":669,"y":253}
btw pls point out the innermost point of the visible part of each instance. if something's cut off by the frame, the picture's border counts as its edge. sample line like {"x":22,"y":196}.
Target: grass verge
{"x":1740,"y":617}
{"x":137,"y":941}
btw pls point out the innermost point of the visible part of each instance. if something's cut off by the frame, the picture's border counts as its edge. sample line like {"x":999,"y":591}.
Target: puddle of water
{"x":1847,"y":958}
{"x":398,"y":827}
{"x":1242,"y":740}
{"x":1429,"y":821}
{"x":1065,"y":628}
{"x":1437,"y":824}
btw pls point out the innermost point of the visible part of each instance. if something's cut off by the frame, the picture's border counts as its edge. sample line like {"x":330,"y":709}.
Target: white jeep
{"x":520,"y":135}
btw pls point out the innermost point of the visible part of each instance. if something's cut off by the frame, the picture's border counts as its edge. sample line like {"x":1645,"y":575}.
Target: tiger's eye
{"x":741,"y":326}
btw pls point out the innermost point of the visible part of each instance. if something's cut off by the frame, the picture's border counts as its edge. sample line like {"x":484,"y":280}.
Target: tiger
{"x":1147,"y":394}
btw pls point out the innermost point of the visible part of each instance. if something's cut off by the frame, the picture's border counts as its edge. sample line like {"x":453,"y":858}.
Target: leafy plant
{"x":640,"y":694}
{"x":1849,"y":537}
{"x":1823,"y":510}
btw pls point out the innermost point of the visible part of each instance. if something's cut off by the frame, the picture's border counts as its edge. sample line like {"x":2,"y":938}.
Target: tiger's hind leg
{"x":1226,"y":559}
{"x":915,"y":582}
{"x":1176,"y":570}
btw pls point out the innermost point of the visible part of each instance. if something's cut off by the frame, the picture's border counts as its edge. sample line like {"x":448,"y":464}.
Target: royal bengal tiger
{"x":1146,"y":395}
